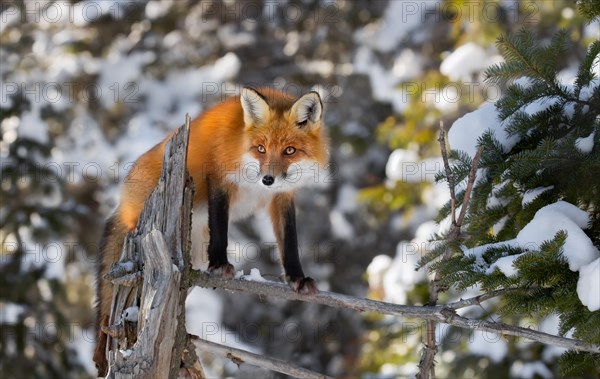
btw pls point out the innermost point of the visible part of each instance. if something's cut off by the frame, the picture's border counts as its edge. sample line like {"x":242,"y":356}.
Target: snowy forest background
{"x":88,"y":86}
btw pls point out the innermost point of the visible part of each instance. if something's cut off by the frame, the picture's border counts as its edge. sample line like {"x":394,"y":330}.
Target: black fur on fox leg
{"x":294,"y":274}
{"x":304,"y":286}
{"x":225,"y":270}
{"x":218,"y":222}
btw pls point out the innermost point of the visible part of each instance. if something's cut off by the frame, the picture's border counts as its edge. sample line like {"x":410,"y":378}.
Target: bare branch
{"x":463,"y":303}
{"x":427,"y":362}
{"x":239,"y":357}
{"x":449,"y":175}
{"x":435,"y":313}
{"x":516,"y":331}
{"x":470,"y":184}
{"x":332,"y":299}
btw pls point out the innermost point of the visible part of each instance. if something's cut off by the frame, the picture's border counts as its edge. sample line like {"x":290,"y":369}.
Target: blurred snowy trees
{"x":88,"y":86}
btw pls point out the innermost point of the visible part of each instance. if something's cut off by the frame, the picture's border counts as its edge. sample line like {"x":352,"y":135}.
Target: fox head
{"x":286,"y":141}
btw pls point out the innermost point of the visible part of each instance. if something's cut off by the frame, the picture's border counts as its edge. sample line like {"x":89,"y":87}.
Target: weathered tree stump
{"x":147,"y":332}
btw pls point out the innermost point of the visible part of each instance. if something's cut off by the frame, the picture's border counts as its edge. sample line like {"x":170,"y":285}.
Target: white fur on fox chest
{"x":247,"y":201}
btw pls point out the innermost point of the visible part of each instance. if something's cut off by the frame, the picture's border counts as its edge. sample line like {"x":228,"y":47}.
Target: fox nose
{"x":268,"y":180}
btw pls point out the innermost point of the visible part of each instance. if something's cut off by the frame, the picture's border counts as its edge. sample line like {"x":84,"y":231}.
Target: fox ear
{"x":308,"y":109}
{"x":256,"y":109}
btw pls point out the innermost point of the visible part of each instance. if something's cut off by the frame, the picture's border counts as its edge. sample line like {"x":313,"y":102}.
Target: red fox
{"x":249,"y":152}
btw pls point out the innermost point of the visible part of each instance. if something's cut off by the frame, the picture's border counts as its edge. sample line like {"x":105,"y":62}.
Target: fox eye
{"x":289,"y":150}
{"x":261,"y":149}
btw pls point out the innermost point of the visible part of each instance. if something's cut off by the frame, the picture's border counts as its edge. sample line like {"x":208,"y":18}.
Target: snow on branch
{"x":282,"y":291}
{"x":439,"y":313}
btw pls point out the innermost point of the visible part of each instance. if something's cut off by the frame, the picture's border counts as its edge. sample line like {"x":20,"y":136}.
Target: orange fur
{"x":219,"y":141}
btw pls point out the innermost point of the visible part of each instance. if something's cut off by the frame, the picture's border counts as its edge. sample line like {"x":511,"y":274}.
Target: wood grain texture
{"x":159,"y":249}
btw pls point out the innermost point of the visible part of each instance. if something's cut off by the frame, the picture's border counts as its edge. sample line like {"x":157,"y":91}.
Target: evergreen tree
{"x":536,"y":179}
{"x":396,"y":346}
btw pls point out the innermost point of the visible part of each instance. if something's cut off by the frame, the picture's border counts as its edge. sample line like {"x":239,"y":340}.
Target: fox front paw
{"x":304,"y":286}
{"x":224,"y":270}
